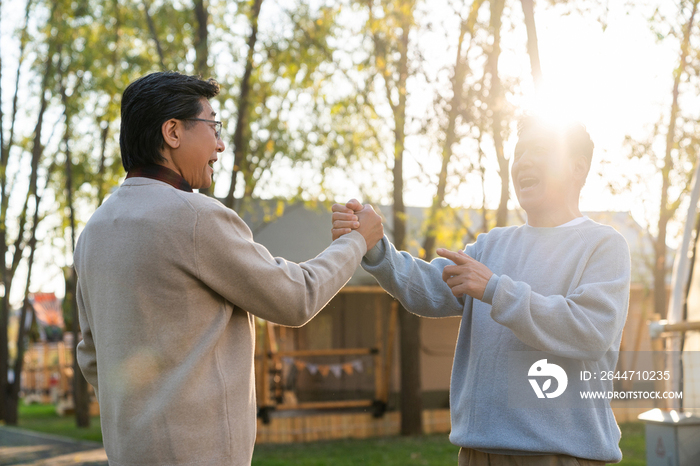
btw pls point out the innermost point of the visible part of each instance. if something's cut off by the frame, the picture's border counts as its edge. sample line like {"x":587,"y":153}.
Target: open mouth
{"x":528,"y":182}
{"x":211,"y":163}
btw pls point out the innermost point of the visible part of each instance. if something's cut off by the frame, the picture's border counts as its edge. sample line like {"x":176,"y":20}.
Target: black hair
{"x":149,"y":102}
{"x":574,"y":137}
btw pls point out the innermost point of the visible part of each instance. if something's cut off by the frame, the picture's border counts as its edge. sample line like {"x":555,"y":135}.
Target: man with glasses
{"x":169,"y":282}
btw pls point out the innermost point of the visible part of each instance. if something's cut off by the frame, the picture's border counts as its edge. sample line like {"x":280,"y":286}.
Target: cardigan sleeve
{"x":245,"y":273}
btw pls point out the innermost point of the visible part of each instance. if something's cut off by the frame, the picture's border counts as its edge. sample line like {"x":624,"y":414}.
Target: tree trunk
{"x":7,"y":272}
{"x":101,"y":193}
{"x":37,"y":152}
{"x":2,"y":115}
{"x":4,"y":307}
{"x":411,"y":399}
{"x":81,"y":399}
{"x":13,"y":392}
{"x":201,"y":48}
{"x":201,"y":41}
{"x":665,"y":213}
{"x":411,"y":403}
{"x":450,"y":132}
{"x":12,"y":401}
{"x":154,"y":35}
{"x":495,"y":104}
{"x":239,"y":145}
{"x":532,"y":48}
{"x":104,"y":136}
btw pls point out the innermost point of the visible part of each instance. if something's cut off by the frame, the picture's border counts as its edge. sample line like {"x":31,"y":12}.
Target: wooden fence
{"x":313,"y":427}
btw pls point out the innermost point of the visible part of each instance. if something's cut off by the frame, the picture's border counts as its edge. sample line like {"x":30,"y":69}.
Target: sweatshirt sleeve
{"x":584,"y":323}
{"x":417,"y":284}
{"x":272,"y":288}
{"x":86,"y":353}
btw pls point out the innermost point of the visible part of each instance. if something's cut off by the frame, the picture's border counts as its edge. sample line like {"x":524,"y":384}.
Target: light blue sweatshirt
{"x":562,"y":291}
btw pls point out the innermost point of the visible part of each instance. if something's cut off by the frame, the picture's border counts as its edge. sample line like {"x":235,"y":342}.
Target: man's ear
{"x":581,"y":168}
{"x":172,"y":132}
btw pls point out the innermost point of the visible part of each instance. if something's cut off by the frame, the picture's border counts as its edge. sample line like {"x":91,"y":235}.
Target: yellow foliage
{"x":280,"y":209}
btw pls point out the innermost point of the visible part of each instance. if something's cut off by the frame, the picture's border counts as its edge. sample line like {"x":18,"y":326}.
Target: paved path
{"x":23,"y":447}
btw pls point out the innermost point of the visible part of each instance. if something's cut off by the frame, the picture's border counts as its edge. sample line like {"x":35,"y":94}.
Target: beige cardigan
{"x":169,"y":282}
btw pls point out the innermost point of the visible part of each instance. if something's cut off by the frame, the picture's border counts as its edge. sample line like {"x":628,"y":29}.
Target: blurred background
{"x":411,"y":105}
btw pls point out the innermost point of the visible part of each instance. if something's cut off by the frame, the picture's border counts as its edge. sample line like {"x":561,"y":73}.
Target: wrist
{"x":376,"y":254}
{"x":490,"y":289}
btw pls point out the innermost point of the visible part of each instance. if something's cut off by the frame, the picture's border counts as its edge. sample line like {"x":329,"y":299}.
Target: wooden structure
{"x":47,"y":377}
{"x":337,"y":425}
{"x":273,"y":353}
{"x":48,"y":371}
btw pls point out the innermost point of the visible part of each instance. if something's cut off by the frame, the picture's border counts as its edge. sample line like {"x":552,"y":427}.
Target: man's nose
{"x":525,"y":159}
{"x":220,"y":145}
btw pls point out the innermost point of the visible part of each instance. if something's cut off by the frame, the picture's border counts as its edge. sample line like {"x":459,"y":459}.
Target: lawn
{"x":389,"y":451}
{"x":427,"y":450}
{"x":43,"y":418}
{"x":633,"y":444}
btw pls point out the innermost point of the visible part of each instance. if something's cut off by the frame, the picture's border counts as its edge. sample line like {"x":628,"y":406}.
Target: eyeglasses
{"x":218,"y":124}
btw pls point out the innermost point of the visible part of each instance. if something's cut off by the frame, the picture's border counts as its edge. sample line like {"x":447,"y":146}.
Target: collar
{"x":574,"y":222}
{"x":570,"y":223}
{"x":161,"y":173}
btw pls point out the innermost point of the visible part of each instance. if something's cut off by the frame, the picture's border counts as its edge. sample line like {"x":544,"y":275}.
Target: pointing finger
{"x":456,"y":257}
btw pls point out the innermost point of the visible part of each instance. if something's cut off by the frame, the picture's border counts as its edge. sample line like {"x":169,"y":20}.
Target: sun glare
{"x":612,"y":82}
{"x":559,"y":107}
{"x":554,"y":106}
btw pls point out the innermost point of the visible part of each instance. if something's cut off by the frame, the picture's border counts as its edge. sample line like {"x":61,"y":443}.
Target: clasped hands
{"x":467,"y":277}
{"x":357,"y":217}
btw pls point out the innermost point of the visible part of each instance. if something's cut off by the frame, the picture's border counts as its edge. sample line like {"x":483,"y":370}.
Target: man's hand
{"x":355,"y":216}
{"x":344,"y":218}
{"x":468,"y":277}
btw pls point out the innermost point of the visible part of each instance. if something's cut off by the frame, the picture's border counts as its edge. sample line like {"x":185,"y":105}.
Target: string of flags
{"x":324,"y":369}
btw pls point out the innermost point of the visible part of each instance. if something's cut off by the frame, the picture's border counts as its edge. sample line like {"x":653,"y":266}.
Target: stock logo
{"x":542,"y":370}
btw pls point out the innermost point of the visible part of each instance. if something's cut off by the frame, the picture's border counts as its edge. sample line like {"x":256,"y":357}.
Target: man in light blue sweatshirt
{"x":541,"y":305}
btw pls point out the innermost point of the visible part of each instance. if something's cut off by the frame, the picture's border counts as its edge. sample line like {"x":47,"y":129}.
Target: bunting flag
{"x":337,"y":370}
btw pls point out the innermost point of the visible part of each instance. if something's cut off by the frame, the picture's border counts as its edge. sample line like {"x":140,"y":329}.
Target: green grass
{"x":633,"y":444}
{"x":43,"y":418}
{"x":390,"y":451}
{"x":399,"y":451}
